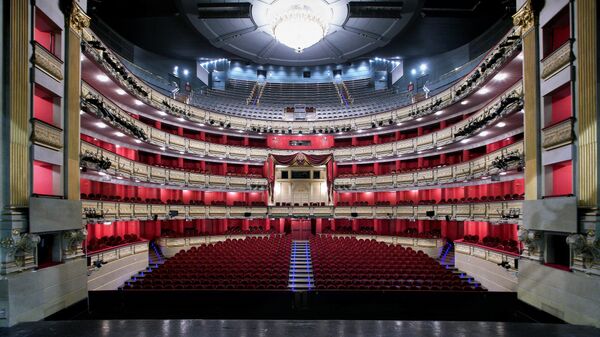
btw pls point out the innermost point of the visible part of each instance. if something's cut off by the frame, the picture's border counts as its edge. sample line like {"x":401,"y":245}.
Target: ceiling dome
{"x":303,"y":32}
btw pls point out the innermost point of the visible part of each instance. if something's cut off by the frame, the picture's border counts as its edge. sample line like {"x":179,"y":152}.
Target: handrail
{"x":485,"y":159}
{"x":157,"y":99}
{"x":444,"y":136}
{"x":117,"y":167}
{"x":490,"y":211}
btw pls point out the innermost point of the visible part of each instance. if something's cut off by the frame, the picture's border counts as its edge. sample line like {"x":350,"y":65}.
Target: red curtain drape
{"x":301,"y":159}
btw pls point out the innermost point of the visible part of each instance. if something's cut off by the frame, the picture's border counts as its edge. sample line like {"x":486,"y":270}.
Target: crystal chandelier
{"x":299,"y":27}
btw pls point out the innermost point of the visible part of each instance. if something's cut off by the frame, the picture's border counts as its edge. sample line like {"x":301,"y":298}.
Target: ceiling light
{"x":440,"y":147}
{"x":120,"y":92}
{"x":500,"y":77}
{"x":300,"y":24}
{"x":464,"y":141}
{"x":423,"y":67}
{"x":101,"y":173}
{"x":419,"y":119}
{"x":138,"y":102}
{"x":484,"y":133}
{"x":162,"y":113}
{"x":101,"y":125}
{"x":137,"y":141}
{"x":502,"y":173}
{"x":501,"y":125}
{"x":181,"y":119}
{"x":119,"y":134}
{"x":439,"y":112}
{"x":399,"y":124}
{"x":200,"y":124}
{"x":464,"y":102}
{"x":102,"y":78}
{"x":483,"y":91}
{"x":81,"y":112}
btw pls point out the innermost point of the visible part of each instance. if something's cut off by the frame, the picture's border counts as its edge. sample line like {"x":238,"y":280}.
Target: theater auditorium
{"x":299,"y":167}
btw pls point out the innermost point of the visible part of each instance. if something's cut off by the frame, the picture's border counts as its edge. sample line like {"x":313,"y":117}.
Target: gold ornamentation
{"x":524,"y":19}
{"x":556,"y":61}
{"x":78,"y":20}
{"x":558,"y":135}
{"x":47,"y":135}
{"x":48,"y":63}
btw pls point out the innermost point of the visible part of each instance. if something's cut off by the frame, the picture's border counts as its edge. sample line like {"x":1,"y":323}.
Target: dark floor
{"x":290,"y":328}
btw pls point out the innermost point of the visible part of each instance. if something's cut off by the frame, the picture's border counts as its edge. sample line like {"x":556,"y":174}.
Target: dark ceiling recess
{"x":225,"y":10}
{"x":375,"y":9}
{"x":464,"y":8}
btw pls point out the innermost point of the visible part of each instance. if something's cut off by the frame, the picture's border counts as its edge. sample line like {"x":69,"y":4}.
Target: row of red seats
{"x":510,"y":245}
{"x":104,"y":242}
{"x":251,"y":263}
{"x":350,"y":263}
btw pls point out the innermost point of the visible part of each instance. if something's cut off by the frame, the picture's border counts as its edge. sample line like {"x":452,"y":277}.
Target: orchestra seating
{"x":349,"y":263}
{"x":252,"y":263}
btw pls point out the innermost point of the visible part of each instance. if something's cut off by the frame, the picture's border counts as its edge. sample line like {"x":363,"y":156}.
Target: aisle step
{"x":300,"y":275}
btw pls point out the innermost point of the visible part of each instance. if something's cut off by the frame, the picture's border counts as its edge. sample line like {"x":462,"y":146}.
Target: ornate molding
{"x":47,"y":135}
{"x":78,"y":19}
{"x":20,"y":246}
{"x":524,"y":19}
{"x":532,"y":241}
{"x":586,"y":248}
{"x":558,"y":135}
{"x":72,"y":242}
{"x":47,"y":62}
{"x":557,"y":61}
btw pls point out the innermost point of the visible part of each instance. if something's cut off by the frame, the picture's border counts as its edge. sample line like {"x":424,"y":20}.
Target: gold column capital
{"x":524,"y":19}
{"x":78,"y":19}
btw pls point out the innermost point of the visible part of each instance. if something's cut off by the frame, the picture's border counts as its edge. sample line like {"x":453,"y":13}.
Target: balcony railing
{"x":46,"y":135}
{"x":403,"y":147}
{"x":495,"y":212}
{"x":557,"y":61}
{"x":477,"y":168}
{"x":125,"y":168}
{"x":47,"y":62}
{"x":558,"y":134}
{"x":157,"y":99}
{"x":491,"y":254}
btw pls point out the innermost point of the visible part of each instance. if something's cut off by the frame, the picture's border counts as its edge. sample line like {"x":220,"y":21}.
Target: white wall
{"x":573,"y":297}
{"x":113,"y":274}
{"x":33,"y":295}
{"x":489,"y":274}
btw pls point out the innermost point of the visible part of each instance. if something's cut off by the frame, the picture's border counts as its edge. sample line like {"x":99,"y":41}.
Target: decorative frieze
{"x":47,"y":62}
{"x":557,"y":61}
{"x":47,"y":135}
{"x":558,"y":135}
